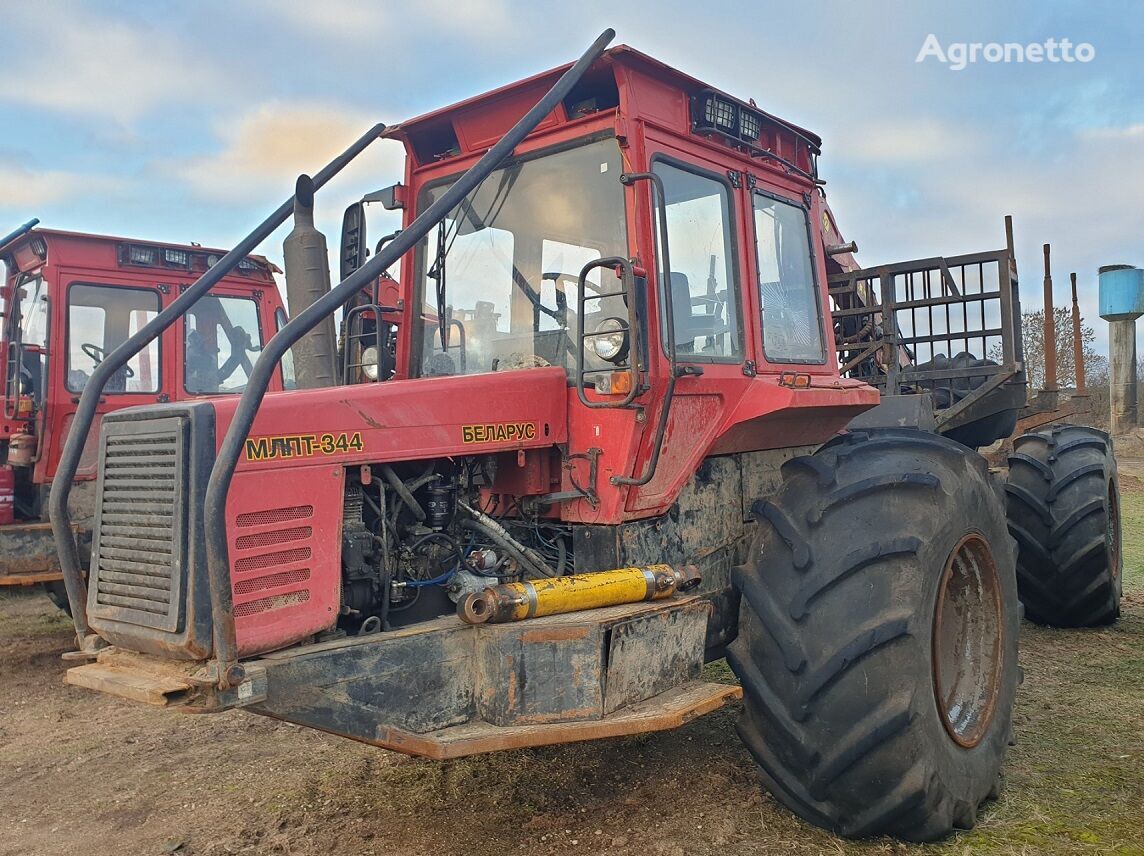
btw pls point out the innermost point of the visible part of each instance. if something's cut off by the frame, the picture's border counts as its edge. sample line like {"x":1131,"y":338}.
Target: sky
{"x":189,"y":121}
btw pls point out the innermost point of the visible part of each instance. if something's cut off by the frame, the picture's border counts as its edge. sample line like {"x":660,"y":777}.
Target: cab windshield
{"x":25,"y":338}
{"x":503,"y":267}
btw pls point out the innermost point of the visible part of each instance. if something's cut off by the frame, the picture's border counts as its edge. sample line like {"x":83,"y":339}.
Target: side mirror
{"x":355,"y":249}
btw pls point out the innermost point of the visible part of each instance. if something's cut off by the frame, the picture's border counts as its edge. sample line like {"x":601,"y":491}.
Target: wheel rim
{"x":967,"y":632}
{"x":1112,"y":532}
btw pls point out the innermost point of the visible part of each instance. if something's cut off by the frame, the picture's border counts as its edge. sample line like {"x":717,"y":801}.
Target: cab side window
{"x":287,"y":361}
{"x":222,"y":334}
{"x":702,"y":281}
{"x":100,"y":319}
{"x":792,"y":322}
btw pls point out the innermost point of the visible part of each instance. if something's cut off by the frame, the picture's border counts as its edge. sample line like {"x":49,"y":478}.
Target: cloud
{"x":902,"y":141}
{"x":80,"y":64}
{"x":1131,"y":133}
{"x":28,"y":190}
{"x":340,"y":20}
{"x":265,"y":149}
{"x":389,"y":26}
{"x":262,"y":152}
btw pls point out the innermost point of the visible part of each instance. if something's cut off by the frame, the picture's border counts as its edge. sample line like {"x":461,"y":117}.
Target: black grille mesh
{"x":136,"y":556}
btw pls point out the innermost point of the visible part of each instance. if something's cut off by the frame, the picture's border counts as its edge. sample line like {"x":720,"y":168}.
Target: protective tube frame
{"x":89,"y":400}
{"x":225,"y":670}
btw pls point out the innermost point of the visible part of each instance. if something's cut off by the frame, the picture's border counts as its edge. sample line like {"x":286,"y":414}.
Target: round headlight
{"x":369,"y":362}
{"x":610,"y":340}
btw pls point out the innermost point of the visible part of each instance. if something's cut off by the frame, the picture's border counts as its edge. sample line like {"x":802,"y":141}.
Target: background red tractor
{"x":69,"y":300}
{"x":628,"y":348}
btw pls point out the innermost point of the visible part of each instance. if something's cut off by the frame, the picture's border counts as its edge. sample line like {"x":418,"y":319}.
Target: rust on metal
{"x":556,"y":634}
{"x":1050,"y":331}
{"x":28,"y":554}
{"x":666,"y":711}
{"x":1009,"y":245}
{"x":1078,"y":342}
{"x":968,"y":632}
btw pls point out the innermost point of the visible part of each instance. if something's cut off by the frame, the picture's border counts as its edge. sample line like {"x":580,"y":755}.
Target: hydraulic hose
{"x":399,"y":486}
{"x":510,"y":545}
{"x":228,"y":672}
{"x":113,"y":362}
{"x":534,"y":558}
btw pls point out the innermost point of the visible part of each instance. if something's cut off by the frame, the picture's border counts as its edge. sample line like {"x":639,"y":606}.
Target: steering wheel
{"x":98,"y":355}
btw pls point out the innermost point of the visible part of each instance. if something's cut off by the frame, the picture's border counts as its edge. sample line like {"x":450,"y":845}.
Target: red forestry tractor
{"x":630,"y":406}
{"x":69,"y":300}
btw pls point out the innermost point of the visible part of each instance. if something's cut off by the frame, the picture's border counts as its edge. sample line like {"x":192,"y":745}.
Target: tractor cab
{"x":659,"y":242}
{"x":71,"y":299}
{"x":640,"y":163}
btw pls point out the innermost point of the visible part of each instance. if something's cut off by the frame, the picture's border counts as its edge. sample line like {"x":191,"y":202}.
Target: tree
{"x":1033,"y":333}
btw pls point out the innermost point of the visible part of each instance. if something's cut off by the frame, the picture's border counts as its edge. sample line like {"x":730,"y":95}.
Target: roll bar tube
{"x":85,"y":412}
{"x":226,"y":670}
{"x":22,"y":230}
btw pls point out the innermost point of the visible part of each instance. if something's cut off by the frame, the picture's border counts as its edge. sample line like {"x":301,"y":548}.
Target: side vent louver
{"x":271,"y":559}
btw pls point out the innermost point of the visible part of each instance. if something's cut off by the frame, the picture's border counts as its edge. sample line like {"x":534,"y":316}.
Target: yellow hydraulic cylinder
{"x":517,"y":601}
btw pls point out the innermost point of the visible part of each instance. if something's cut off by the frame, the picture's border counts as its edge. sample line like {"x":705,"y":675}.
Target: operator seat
{"x":689,"y":325}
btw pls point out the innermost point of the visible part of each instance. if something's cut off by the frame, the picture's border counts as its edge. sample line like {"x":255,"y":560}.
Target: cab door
{"x":96,"y":318}
{"x":700,"y":271}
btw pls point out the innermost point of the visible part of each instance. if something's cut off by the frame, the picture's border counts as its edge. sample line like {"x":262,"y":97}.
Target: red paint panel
{"x":284,"y":530}
{"x":404,"y":420}
{"x":483,"y":126}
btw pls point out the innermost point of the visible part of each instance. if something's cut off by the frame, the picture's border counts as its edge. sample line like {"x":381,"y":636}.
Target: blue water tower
{"x":1121,"y":303}
{"x":1121,"y":292}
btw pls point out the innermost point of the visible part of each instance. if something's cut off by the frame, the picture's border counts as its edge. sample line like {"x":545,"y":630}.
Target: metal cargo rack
{"x":949,"y":326}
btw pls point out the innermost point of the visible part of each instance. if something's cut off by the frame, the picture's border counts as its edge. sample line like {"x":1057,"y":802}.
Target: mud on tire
{"x":1063,"y":502}
{"x":869,"y":541}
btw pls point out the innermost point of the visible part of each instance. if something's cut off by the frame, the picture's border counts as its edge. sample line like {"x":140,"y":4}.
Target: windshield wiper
{"x":437,"y":273}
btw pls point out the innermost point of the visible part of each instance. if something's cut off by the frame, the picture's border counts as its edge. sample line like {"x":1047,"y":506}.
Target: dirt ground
{"x":81,"y":773}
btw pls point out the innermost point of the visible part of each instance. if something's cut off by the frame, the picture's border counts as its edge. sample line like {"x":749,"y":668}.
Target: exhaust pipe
{"x":308,"y":279}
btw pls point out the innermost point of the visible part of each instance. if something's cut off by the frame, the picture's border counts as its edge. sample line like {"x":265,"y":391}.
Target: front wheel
{"x":877,"y":644}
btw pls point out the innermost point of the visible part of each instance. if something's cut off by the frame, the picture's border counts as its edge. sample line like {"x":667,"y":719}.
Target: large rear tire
{"x":877,"y":643}
{"x":1063,"y":501}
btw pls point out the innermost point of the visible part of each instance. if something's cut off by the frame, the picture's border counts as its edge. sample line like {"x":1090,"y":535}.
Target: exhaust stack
{"x":307,"y":279}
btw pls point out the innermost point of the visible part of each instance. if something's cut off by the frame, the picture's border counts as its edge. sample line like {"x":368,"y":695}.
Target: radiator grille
{"x":271,"y":559}
{"x":138,"y":539}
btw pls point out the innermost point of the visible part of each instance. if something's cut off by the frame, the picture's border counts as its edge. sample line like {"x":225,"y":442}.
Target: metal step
{"x":666,"y":711}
